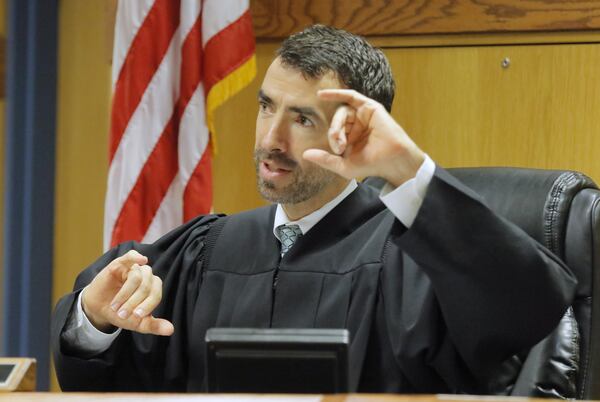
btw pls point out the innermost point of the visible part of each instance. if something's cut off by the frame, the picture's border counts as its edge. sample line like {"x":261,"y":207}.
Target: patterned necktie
{"x":288,"y":234}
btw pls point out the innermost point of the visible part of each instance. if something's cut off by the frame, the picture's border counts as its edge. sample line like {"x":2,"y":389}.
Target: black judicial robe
{"x":435,"y":308}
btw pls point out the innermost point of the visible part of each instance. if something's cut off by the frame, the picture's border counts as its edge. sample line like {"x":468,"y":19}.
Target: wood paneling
{"x":485,"y":39}
{"x":463,"y":108}
{"x":279,"y":18}
{"x":81,"y":141}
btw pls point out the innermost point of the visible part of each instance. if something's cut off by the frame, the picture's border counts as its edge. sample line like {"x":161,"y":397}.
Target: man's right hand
{"x":124,"y":294}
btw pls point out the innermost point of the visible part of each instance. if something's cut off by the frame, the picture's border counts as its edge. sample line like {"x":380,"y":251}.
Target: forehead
{"x":289,"y":85}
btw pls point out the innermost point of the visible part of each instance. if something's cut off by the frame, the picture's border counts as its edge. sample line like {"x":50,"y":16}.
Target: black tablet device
{"x":277,"y":360}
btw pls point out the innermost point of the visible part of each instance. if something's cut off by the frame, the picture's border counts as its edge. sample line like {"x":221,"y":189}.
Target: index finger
{"x":348,"y":96}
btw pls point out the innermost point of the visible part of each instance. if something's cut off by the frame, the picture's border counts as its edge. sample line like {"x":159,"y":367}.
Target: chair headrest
{"x":536,"y":200}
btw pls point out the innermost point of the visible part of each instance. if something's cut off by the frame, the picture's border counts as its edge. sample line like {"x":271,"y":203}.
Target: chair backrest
{"x":561,"y":210}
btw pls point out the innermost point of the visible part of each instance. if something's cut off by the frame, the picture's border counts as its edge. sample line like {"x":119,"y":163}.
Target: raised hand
{"x":366,"y":141}
{"x":123,"y":295}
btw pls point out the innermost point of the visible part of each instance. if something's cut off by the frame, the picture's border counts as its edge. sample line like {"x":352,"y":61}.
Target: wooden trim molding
{"x":417,"y":23}
{"x":279,"y":18}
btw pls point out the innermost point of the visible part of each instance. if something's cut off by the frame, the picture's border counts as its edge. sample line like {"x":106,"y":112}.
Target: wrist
{"x":404,"y":167}
{"x":98,"y":323}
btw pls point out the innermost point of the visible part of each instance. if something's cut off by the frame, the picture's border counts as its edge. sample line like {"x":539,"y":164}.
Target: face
{"x":291,"y":119}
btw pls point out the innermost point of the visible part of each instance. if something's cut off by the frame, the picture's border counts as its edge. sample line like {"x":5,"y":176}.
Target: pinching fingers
{"x":120,"y":266}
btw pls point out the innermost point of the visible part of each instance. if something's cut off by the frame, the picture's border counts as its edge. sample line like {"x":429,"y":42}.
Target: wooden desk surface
{"x":147,"y":397}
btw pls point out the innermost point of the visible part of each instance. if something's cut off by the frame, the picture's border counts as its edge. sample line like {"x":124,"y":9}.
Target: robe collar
{"x":349,"y":214}
{"x":310,"y":220}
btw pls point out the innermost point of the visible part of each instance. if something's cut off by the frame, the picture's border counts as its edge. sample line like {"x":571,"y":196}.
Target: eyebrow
{"x":263,"y":97}
{"x":307,"y":111}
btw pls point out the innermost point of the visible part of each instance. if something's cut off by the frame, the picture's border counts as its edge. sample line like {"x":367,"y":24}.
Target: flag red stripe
{"x":229,"y":48}
{"x":198,"y":194}
{"x":143,"y":58}
{"x":161,"y":167}
{"x":149,"y":189}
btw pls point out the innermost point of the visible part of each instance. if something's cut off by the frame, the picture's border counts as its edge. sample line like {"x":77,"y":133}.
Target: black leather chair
{"x":561,"y":210}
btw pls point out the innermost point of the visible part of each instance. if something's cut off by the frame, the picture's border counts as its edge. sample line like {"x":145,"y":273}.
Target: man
{"x":435,"y":289}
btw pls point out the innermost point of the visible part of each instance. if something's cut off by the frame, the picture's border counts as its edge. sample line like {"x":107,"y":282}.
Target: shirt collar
{"x":310,"y":220}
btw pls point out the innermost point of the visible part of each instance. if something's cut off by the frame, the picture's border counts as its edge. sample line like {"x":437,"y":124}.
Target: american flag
{"x":174,"y":63}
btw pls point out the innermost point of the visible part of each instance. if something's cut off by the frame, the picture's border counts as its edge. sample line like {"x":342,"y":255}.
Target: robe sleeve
{"x":498,"y":290}
{"x":140,"y":362}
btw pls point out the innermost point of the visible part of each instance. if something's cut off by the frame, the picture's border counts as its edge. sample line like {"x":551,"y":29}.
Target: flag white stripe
{"x":190,"y":10}
{"x":218,"y":14}
{"x":130,"y":16}
{"x":193,"y":135}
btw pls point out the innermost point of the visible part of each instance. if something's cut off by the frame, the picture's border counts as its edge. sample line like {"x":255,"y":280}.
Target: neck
{"x":301,"y":209}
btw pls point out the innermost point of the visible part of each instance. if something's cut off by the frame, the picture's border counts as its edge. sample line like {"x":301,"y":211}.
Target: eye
{"x":263,"y":106}
{"x":304,"y":121}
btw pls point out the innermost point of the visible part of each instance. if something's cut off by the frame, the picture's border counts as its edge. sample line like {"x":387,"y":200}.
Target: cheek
{"x":318,"y":141}
{"x":309,"y":138}
{"x":301,"y":143}
{"x":261,"y":131}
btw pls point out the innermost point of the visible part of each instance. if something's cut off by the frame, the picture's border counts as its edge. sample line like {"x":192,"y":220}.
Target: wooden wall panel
{"x":464,"y":109}
{"x":81,"y":141}
{"x":279,"y":18}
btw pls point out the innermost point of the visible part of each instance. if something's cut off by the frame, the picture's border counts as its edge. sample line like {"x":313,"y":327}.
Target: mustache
{"x":279,"y":158}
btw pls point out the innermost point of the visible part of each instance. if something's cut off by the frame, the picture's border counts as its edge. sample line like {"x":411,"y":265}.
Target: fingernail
{"x":114,"y":306}
{"x":123,"y":314}
{"x":139,"y":312}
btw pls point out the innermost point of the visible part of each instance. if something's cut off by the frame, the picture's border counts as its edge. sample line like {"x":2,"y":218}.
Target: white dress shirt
{"x":404,"y":202}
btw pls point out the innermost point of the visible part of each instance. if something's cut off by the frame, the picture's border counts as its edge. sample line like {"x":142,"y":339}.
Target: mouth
{"x":276,"y":167}
{"x":270,"y":170}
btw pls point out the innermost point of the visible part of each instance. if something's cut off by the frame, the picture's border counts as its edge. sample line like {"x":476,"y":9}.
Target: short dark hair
{"x":360,"y":66}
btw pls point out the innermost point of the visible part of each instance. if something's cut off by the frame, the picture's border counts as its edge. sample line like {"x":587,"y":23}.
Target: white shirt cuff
{"x":406,"y":200}
{"x":81,"y":334}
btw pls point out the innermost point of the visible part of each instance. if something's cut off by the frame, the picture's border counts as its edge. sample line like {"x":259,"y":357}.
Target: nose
{"x":275,"y":137}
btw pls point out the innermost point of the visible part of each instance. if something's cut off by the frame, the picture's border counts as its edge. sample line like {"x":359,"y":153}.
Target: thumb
{"x":327,"y":160}
{"x":156,"y":326}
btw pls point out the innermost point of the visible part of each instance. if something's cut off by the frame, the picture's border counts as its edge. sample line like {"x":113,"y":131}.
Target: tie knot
{"x":288,"y":234}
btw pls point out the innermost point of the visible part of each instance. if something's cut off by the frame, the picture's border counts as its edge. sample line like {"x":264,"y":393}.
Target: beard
{"x":305,"y":182}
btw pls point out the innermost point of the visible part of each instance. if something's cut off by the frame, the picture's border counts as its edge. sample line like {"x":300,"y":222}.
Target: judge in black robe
{"x":433,"y":308}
